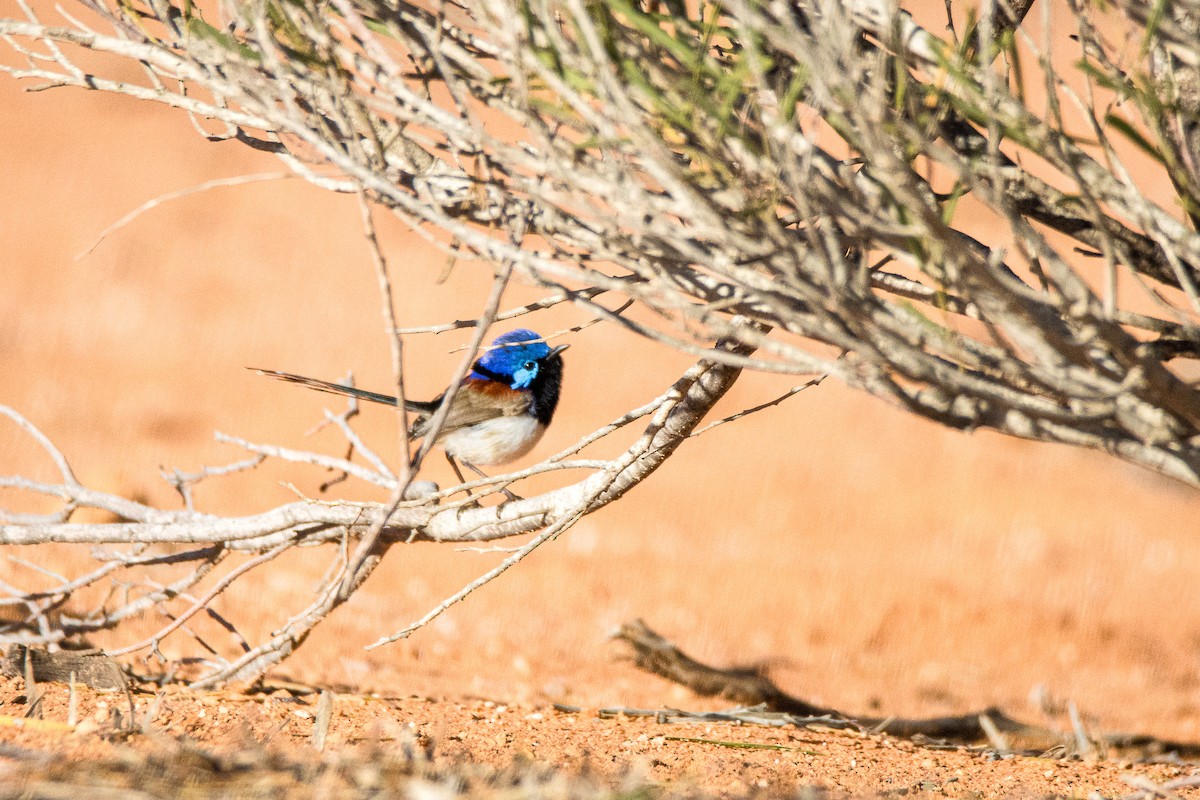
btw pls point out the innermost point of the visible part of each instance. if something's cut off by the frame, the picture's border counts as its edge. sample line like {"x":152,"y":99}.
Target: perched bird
{"x":501,"y":409}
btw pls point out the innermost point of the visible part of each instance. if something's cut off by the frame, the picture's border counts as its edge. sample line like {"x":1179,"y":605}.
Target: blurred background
{"x":874,"y":562}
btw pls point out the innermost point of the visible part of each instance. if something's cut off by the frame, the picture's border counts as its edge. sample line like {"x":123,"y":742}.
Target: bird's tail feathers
{"x":337,"y":388}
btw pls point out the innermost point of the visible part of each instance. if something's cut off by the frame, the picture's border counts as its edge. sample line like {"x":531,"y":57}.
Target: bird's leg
{"x":457,"y":471}
{"x":483,"y":474}
{"x":471,"y":503}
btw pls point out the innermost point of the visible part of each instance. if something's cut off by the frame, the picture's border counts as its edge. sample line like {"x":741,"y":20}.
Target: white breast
{"x":496,"y":441}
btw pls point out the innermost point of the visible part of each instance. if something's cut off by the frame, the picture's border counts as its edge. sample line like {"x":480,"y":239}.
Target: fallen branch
{"x":97,"y":671}
{"x":751,"y":687}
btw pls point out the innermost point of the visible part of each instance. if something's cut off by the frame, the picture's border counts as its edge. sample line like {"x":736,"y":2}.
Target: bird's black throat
{"x":545,"y":388}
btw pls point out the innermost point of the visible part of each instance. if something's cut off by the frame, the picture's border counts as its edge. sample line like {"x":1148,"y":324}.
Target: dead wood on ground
{"x":991,"y":727}
{"x":97,"y":671}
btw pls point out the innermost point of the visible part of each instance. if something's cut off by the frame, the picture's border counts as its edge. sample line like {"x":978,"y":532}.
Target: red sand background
{"x":876,"y":561}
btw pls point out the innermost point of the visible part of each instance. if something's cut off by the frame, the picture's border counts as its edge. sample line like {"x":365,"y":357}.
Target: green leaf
{"x":1104,"y":79}
{"x":960,"y":188}
{"x":1153,"y":20}
{"x":202,"y":30}
{"x":1134,"y":135}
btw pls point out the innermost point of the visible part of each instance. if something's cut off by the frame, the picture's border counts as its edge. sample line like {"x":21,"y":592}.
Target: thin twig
{"x":408,"y":468}
{"x":202,"y":602}
{"x":762,"y":406}
{"x":239,"y":180}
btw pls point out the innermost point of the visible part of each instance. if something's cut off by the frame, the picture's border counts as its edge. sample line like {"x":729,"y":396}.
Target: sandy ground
{"x":460,"y":736}
{"x":874,"y":562}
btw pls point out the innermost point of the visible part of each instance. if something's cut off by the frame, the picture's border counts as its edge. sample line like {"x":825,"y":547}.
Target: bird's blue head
{"x":515,"y":357}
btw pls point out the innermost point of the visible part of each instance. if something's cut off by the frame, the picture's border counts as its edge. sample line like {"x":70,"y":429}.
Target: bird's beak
{"x":558,"y":350}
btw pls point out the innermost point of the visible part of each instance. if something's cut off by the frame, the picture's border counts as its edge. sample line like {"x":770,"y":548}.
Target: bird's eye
{"x":528,"y":365}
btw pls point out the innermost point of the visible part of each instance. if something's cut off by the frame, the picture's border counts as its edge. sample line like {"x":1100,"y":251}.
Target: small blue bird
{"x":501,"y":409}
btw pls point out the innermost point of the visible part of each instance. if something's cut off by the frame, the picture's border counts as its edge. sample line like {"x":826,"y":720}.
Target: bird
{"x":501,"y":408}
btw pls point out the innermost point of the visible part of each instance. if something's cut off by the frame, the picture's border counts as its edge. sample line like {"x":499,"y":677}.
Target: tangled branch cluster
{"x":824,"y":188}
